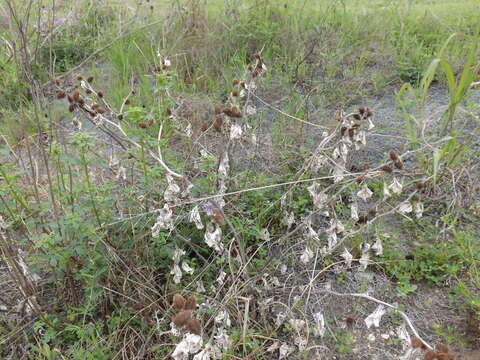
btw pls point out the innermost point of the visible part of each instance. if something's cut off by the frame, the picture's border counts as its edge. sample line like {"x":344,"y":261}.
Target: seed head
{"x":120,"y":117}
{"x":169,"y":111}
{"x":193,"y":326}
{"x":343,"y":129}
{"x":386,"y":169}
{"x":81,"y":100}
{"x":362,"y":109}
{"x":366,"y":166}
{"x":182,"y":317}
{"x":143,"y":125}
{"x":351,"y":132}
{"x":191,"y":303}
{"x":357,"y":116}
{"x":362,"y":219}
{"x":393,"y":155}
{"x":442,"y":348}
{"x":360,"y":179}
{"x":90,"y":79}
{"x":204,"y":127}
{"x":61,"y":94}
{"x":101,"y":110}
{"x":235,"y":93}
{"x":71,"y":107}
{"x":218,"y":122}
{"x":429,"y":355}
{"x":415,"y":198}
{"x":75,"y":95}
{"x":398,"y":164}
{"x":372,"y":213}
{"x":127,"y":102}
{"x":79,"y":77}
{"x":420,"y":185}
{"x":178,"y":302}
{"x":417,"y":343}
{"x":88,"y":91}
{"x":235,"y":82}
{"x":100,"y":94}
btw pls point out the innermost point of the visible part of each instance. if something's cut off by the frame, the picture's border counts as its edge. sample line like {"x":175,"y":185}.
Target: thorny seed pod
{"x":191,"y":303}
{"x":193,"y":326}
{"x":357,"y":116}
{"x":362,"y":219}
{"x":218,"y":122}
{"x":71,"y":107}
{"x":79,"y":77}
{"x":88,"y":91}
{"x":360,"y":179}
{"x":182,"y":317}
{"x":415,"y":198}
{"x":417,"y":343}
{"x":204,"y":127}
{"x":393,"y":155}
{"x":120,"y":117}
{"x":420,"y":185}
{"x":235,"y":82}
{"x":386,"y":169}
{"x":372,"y":213}
{"x":398,"y":164}
{"x":351,"y":132}
{"x":235,"y":93}
{"x":75,"y":95}
{"x":90,"y":79}
{"x":100,"y":94}
{"x":61,"y":94}
{"x":178,"y":302}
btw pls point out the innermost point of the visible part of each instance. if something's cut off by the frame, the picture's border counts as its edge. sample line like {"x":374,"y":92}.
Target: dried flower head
{"x":217,"y":109}
{"x":101,"y":110}
{"x":429,"y":355}
{"x":362,"y":110}
{"x":75,"y":95}
{"x":56,"y":81}
{"x":393,"y":155}
{"x":79,"y":77}
{"x":369,"y":113}
{"x":90,"y":79}
{"x":398,"y":163}
{"x":235,"y":82}
{"x":235,"y":93}
{"x":420,"y":185}
{"x":88,"y":91}
{"x":386,"y":169}
{"x":126,"y":102}
{"x":120,"y":117}
{"x":372,"y":213}
{"x":178,"y":302}
{"x":191,"y":303}
{"x":143,"y":125}
{"x":193,"y":325}
{"x":415,"y":198}
{"x":357,"y":116}
{"x":417,"y":343}
{"x":182,"y":317}
{"x":360,"y":179}
{"x":351,"y":132}
{"x":362,"y":219}
{"x":100,"y":94}
{"x":343,"y":129}
{"x":218,"y":122}
{"x":366,"y":166}
{"x":71,"y":108}
{"x":442,"y":348}
{"x":61,"y":94}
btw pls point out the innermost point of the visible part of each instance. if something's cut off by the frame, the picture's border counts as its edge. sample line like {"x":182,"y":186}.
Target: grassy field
{"x":239,"y":179}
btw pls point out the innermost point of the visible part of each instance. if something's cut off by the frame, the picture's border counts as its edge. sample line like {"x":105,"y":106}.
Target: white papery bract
{"x":213,"y":238}
{"x":348,"y":257}
{"x":375,"y":317}
{"x":306,"y":256}
{"x":177,"y":273}
{"x":164,"y":220}
{"x":405,"y":207}
{"x":418,"y":209}
{"x":354,"y":211}
{"x":171,"y":192}
{"x":195,"y":218}
{"x":190,"y":344}
{"x":187,"y":268}
{"x":285,"y":350}
{"x":222,"y":339}
{"x":235,"y":132}
{"x":319,"y":329}
{"x":377,"y":247}
{"x":396,"y":187}
{"x":365,"y":193}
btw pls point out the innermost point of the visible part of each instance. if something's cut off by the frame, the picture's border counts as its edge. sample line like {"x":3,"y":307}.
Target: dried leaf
{"x":235,"y":132}
{"x":348,"y":257}
{"x":195,"y":218}
{"x":396,"y":187}
{"x":213,"y":238}
{"x":365,"y":193}
{"x":405,"y":207}
{"x":190,"y":344}
{"x":306,"y":256}
{"x":319,"y":329}
{"x":418,"y":209}
{"x":164,"y":220}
